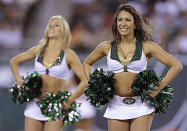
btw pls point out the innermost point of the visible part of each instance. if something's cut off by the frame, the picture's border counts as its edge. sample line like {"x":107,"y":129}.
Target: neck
{"x":54,"y":44}
{"x":128,"y":39}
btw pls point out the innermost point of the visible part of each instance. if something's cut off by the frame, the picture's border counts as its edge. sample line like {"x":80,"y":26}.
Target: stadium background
{"x":22,"y":25}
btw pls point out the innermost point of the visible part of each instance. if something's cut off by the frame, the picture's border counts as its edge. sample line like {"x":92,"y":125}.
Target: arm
{"x":74,"y":63}
{"x":100,"y":51}
{"x":15,"y":61}
{"x":175,"y":66}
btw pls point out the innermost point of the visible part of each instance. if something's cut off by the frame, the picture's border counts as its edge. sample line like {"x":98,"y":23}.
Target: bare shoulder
{"x":149,"y":47}
{"x":70,"y":52}
{"x":104,"y":47}
{"x":71,"y":55}
{"x":37,"y":49}
{"x":30,"y":54}
{"x":34,"y":51}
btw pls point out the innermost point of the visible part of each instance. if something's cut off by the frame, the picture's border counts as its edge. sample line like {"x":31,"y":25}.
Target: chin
{"x":124,"y":34}
{"x":51,"y":36}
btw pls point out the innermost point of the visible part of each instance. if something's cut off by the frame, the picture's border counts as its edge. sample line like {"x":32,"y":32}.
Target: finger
{"x":65,"y":105}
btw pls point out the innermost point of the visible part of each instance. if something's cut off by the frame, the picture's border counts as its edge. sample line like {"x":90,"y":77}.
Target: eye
{"x":128,"y":19}
{"x":56,"y":25}
{"x":119,"y":19}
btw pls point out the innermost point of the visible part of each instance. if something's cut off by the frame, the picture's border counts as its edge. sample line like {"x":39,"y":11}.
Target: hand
{"x":157,"y":90}
{"x":67,"y":105}
{"x":19,"y":82}
{"x":154,"y":93}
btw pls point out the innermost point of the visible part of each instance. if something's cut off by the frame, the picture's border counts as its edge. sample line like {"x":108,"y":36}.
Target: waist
{"x":49,"y":90}
{"x":123,"y":83}
{"x":128,"y":101}
{"x":52,"y":85}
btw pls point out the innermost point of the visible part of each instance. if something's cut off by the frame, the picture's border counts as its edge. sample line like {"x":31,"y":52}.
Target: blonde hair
{"x":66,"y":33}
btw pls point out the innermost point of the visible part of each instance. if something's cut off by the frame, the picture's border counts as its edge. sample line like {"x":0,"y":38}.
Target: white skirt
{"x":32,"y":110}
{"x":117,"y":109}
{"x":86,"y":109}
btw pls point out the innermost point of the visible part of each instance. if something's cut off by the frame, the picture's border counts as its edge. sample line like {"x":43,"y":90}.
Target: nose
{"x":123,"y":23}
{"x":51,"y":26}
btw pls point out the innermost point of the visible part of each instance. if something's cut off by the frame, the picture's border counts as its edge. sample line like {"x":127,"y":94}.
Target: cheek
{"x":131,"y":25}
{"x":58,"y":30}
{"x":118,"y":25}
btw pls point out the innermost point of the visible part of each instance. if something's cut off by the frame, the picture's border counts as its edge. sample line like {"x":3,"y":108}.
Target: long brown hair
{"x":140,"y":32}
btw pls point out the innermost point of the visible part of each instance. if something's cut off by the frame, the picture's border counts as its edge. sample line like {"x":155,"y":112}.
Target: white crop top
{"x":59,"y":69}
{"x":137,"y":64}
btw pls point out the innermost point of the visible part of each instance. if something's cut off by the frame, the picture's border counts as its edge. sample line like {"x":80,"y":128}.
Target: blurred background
{"x":22,"y":25}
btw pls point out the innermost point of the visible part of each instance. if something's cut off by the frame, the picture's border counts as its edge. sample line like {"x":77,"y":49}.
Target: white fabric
{"x":134,"y":66}
{"x":86,"y":109}
{"x":33,"y":111}
{"x":117,"y":109}
{"x":60,"y":71}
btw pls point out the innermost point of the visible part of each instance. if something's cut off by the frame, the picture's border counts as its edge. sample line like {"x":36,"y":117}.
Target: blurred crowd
{"x":13,"y":18}
{"x":91,"y":22}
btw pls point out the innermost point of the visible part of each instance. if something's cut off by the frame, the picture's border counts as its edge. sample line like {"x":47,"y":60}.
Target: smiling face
{"x":54,"y":29}
{"x":125,"y":23}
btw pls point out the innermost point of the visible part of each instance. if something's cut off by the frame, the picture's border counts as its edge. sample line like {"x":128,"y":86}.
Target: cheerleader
{"x":52,"y":61}
{"x":127,"y":55}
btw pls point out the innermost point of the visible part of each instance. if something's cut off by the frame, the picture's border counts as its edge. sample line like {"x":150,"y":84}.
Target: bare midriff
{"x":123,"y":83}
{"x":51,"y":85}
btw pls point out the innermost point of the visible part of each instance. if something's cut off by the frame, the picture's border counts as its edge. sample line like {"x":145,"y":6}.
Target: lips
{"x":123,"y":28}
{"x":51,"y":31}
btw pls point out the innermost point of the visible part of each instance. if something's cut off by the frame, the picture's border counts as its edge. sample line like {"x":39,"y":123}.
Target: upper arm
{"x":100,"y":51}
{"x":74,"y":63}
{"x":27,"y":55}
{"x":154,"y":50}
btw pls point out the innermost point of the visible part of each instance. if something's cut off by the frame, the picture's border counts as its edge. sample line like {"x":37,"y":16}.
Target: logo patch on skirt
{"x":129,"y":100}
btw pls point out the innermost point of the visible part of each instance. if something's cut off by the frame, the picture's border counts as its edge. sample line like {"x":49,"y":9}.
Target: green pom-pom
{"x":51,"y":107}
{"x":100,"y":88}
{"x":30,"y":89}
{"x":145,"y":83}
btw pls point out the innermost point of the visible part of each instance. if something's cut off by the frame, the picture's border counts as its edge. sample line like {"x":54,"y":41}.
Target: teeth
{"x":123,"y":28}
{"x":51,"y":31}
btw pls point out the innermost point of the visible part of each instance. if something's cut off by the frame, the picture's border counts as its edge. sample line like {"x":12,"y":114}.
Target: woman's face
{"x":125,"y":23}
{"x":54,"y":28}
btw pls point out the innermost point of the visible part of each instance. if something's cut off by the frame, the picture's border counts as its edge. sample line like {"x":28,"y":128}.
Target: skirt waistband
{"x":127,"y":101}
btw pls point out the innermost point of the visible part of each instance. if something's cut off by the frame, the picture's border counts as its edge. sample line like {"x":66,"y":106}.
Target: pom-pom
{"x":100,"y":88}
{"x":145,"y":83}
{"x":30,"y":89}
{"x":51,"y":107}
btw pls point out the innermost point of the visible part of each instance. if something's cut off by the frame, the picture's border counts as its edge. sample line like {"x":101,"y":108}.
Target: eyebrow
{"x":124,"y":17}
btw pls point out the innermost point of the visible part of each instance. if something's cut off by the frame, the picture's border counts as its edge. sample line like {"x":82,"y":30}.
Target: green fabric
{"x":58,"y":60}
{"x":136,"y":56}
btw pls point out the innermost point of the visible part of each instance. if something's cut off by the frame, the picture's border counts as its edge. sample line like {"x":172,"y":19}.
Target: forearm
{"x":171,"y":74}
{"x":14,"y":69}
{"x":79,"y":91}
{"x":87,"y":70}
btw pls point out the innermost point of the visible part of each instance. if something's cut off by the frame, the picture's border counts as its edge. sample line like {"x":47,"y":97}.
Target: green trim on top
{"x":137,"y":54}
{"x":58,"y":61}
